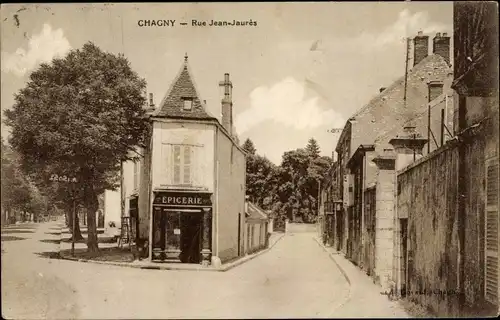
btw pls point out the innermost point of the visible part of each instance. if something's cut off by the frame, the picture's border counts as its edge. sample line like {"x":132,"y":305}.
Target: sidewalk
{"x":366,"y":300}
{"x":111,"y":254}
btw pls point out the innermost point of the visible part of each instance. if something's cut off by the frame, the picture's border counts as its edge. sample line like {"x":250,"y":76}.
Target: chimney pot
{"x":420,"y":48}
{"x":227,"y":105}
{"x":204,"y":101}
{"x":441,"y":46}
{"x":151,"y":103}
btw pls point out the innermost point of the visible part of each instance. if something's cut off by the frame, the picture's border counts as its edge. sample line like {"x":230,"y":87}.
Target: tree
{"x":313,"y":148}
{"x":79,"y":116}
{"x":249,"y":147}
{"x":19,"y":193}
{"x":260,"y":176}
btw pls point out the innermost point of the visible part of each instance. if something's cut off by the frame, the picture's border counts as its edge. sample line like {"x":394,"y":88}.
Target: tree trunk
{"x":78,"y":232}
{"x":91,"y":204}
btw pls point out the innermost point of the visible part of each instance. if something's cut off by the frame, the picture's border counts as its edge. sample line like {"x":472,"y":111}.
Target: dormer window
{"x":188,"y":104}
{"x":435,"y":89}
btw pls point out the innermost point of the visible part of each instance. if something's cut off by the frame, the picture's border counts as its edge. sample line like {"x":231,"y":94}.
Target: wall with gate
{"x":427,"y":196}
{"x":431,"y":194}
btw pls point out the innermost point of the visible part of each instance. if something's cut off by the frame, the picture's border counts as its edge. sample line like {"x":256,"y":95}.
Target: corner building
{"x":188,"y":204}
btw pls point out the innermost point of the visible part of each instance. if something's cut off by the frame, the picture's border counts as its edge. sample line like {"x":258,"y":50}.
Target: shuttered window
{"x":136,"y":174}
{"x":491,"y":232}
{"x":182,"y":164}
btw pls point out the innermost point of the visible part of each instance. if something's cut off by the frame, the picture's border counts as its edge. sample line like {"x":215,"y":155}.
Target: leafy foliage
{"x":249,"y":147}
{"x":291,"y":189}
{"x":19,"y":194}
{"x":79,"y":116}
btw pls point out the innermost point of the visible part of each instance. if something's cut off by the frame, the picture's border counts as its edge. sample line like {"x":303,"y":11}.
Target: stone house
{"x":420,"y":99}
{"x":185,"y":197}
{"x":446,"y":203}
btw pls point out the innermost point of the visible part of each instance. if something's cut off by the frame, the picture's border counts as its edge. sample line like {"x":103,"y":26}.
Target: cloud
{"x":42,"y":47}
{"x":286,"y":103}
{"x":406,"y":25}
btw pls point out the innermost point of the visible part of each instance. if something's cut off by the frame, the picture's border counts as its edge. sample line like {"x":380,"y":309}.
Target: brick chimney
{"x":149,"y":105}
{"x":227,"y":103}
{"x":151,"y":101}
{"x":420,"y":47}
{"x":441,"y":46}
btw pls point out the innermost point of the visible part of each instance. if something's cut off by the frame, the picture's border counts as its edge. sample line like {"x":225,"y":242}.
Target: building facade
{"x":422,"y":100}
{"x":185,"y":196}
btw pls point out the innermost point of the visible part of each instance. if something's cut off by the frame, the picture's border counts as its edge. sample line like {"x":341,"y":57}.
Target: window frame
{"x":431,"y":85}
{"x":137,"y":175}
{"x":182,"y":181}
{"x":184,"y":100}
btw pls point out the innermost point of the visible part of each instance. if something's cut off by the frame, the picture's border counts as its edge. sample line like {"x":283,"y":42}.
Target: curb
{"x":223,"y":268}
{"x":344,"y":273}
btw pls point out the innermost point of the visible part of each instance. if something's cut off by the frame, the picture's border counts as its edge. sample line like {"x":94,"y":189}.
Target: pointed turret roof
{"x":181,"y":88}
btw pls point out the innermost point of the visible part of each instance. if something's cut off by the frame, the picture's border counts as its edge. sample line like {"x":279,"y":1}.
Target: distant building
{"x":185,"y":197}
{"x":256,"y":233}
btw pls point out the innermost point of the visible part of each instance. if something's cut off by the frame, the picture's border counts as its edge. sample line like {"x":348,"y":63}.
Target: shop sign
{"x":183,"y":199}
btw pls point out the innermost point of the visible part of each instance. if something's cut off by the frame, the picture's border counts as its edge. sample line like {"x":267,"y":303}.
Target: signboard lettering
{"x":183,"y":199}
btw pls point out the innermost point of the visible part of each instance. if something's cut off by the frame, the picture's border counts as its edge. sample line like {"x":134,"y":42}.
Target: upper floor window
{"x":182,"y":162}
{"x":136,"y":174}
{"x":188,"y":104}
{"x":435,"y":90}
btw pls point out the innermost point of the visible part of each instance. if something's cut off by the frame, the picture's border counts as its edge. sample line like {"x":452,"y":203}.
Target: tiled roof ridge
{"x":399,"y":81}
{"x":199,"y":106}
{"x":418,"y":116}
{"x":257,"y":209}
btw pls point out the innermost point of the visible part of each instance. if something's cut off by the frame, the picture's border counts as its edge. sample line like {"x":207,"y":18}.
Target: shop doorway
{"x":190,"y":226}
{"x":177,"y":235}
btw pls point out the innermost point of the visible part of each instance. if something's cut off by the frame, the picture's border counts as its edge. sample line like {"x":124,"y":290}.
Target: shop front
{"x":182,"y":227}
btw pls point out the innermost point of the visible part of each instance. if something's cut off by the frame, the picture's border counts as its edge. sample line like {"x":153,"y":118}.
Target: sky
{"x":304,"y":69}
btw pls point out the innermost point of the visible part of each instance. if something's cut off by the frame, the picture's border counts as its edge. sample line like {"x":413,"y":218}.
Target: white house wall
{"x":112,"y":208}
{"x":200,"y":135}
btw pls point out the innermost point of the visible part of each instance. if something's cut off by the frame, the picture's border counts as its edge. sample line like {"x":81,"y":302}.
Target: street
{"x":296,"y":278}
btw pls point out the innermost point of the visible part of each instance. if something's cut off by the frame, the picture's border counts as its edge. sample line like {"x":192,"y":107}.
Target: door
{"x":404,"y":255}
{"x":172,"y":234}
{"x":190,"y":237}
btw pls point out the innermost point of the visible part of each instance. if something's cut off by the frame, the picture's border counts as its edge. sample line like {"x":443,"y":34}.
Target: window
{"x":491,"y":232}
{"x":182,"y":161}
{"x":435,"y":90}
{"x":136,"y":174}
{"x":188,"y":104}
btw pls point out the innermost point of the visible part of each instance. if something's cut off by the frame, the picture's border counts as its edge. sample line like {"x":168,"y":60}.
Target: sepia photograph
{"x":243,"y":160}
